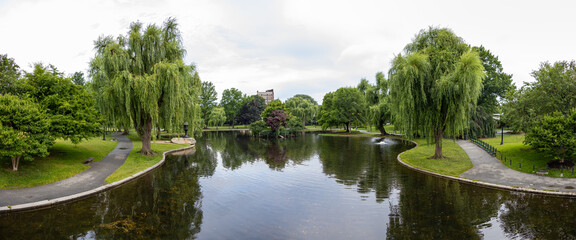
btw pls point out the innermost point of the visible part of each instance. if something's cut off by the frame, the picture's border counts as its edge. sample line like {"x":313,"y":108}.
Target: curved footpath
{"x":490,"y":172}
{"x":82,"y":185}
{"x":89,"y":179}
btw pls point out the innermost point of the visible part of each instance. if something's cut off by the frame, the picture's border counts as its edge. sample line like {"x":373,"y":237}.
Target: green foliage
{"x":251,"y":109}
{"x":555,"y":134}
{"x":141,"y":78}
{"x":495,"y":85}
{"x":301,"y":108}
{"x":70,"y":107}
{"x":327,"y":114}
{"x":24,"y":130}
{"x":78,"y":78}
{"x":217,"y":117}
{"x":272,"y":106}
{"x":553,"y":91}
{"x":435,"y":85}
{"x":307,"y":97}
{"x":295,"y":125}
{"x":258,"y":128}
{"x":378,"y":101}
{"x":9,"y":74}
{"x":348,"y":106}
{"x":208,"y":99}
{"x":232,"y":100}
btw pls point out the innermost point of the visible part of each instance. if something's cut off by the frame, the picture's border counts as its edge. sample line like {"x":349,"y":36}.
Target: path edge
{"x":78,"y":196}
{"x":480,"y":183}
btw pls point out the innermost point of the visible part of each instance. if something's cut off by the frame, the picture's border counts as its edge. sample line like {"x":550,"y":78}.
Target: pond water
{"x":308,"y":187}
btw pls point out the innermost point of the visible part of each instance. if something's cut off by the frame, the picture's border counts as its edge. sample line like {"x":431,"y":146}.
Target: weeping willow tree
{"x":141,"y":80}
{"x":435,"y":85}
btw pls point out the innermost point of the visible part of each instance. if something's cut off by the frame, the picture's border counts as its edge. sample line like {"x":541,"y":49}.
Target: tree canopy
{"x":142,"y":78}
{"x":377,"y":99}
{"x":301,"y":108}
{"x":434,"y":85}
{"x":208,"y":99}
{"x":24,"y":130}
{"x":553,"y":91}
{"x":217,"y":117}
{"x":251,"y":109}
{"x":495,"y":86}
{"x":555,"y":134}
{"x":70,"y":107}
{"x":232,"y":100}
{"x":345,"y":106}
{"x":9,"y":74}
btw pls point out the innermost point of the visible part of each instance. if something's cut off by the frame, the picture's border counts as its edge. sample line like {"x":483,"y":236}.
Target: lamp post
{"x":186,"y":130}
{"x":104,"y":132}
{"x":502,"y":133}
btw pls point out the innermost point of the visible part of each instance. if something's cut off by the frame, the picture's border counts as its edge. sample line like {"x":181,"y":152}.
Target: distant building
{"x":268,"y":95}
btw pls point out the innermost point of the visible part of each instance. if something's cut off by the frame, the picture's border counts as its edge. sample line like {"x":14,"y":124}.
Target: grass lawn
{"x":65,"y":160}
{"x":455,"y":163}
{"x":227,"y":127}
{"x":136,"y":162}
{"x":514,"y":149}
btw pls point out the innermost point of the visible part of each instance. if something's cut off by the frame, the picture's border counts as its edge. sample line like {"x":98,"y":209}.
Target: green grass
{"x":514,"y":149}
{"x":455,"y":163}
{"x":351,"y":134}
{"x":227,"y":127}
{"x":65,"y":160}
{"x":136,"y":162}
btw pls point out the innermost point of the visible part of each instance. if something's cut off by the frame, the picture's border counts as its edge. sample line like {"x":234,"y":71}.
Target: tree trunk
{"x":381,"y":129}
{"x":146,"y":137}
{"x":348,"y":127}
{"x":304,"y":121}
{"x":15,"y":162}
{"x":438,"y":141}
{"x":126,"y":130}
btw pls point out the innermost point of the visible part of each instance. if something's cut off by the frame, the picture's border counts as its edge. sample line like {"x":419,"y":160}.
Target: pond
{"x":308,"y":187}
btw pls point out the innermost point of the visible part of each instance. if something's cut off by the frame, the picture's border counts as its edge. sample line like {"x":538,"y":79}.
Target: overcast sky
{"x":294,"y":46}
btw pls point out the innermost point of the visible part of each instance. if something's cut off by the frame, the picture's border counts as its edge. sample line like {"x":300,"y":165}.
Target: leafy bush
{"x":555,"y":134}
{"x":258,"y":128}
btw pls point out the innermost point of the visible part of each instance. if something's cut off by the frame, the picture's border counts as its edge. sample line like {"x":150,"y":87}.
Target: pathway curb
{"x":85,"y":194}
{"x":481,"y":183}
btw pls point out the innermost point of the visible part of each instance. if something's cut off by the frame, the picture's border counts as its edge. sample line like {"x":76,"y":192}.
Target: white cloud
{"x":292,"y":46}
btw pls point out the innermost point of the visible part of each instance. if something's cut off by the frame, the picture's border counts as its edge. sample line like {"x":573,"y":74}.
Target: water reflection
{"x":308,"y":187}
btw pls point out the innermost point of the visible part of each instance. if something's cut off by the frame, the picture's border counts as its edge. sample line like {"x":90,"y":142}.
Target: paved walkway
{"x":490,"y":170}
{"x":87,"y":180}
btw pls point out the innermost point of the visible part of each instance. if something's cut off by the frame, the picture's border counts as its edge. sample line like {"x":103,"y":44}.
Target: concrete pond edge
{"x":481,"y":183}
{"x":79,"y":196}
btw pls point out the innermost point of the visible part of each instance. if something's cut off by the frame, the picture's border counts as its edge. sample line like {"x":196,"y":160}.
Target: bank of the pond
{"x":137,"y":162}
{"x":455,"y":162}
{"x":486,"y":170}
{"x":136,"y":167}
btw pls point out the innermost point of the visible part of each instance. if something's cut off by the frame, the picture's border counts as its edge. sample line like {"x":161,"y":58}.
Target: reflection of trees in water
{"x":237,"y":148}
{"x":530,"y":216}
{"x":362,"y":163}
{"x":434,"y":208}
{"x":163,"y":205}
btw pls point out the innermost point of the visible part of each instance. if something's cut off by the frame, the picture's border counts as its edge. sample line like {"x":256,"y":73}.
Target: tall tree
{"x":141,"y":77}
{"x":231,"y":101}
{"x":307,"y":97}
{"x":377,"y":99}
{"x":345,"y":106}
{"x":553,"y":91}
{"x":24,"y":130}
{"x":208,"y":99}
{"x":217,"y":117}
{"x":301,"y":108}
{"x":435,"y":85}
{"x":69,"y":107}
{"x":9,"y":74}
{"x":251,"y":109}
{"x":78,"y":78}
{"x":496,"y":84}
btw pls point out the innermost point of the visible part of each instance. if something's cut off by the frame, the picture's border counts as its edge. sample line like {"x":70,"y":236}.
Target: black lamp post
{"x":104,"y":132}
{"x":502,"y":133}
{"x":186,"y":130}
